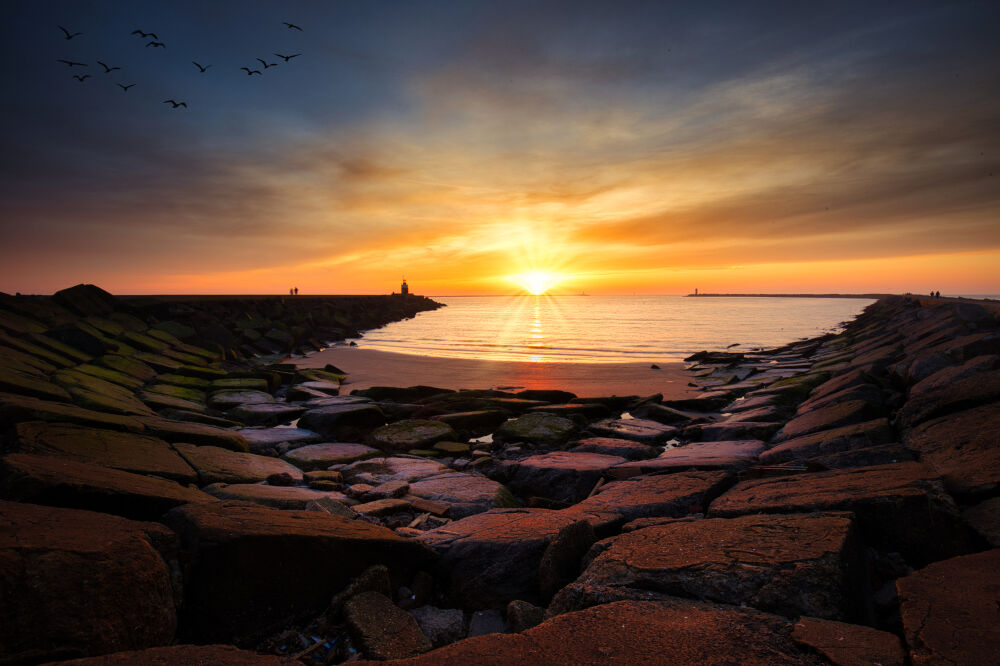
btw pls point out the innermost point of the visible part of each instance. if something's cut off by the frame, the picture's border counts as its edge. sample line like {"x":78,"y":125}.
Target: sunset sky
{"x":649,"y":147}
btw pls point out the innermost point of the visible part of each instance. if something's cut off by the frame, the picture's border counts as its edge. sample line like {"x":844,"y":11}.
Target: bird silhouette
{"x":292,"y":26}
{"x":71,"y":63}
{"x":202,"y":69}
{"x":175,"y":104}
{"x":107,"y":70}
{"x":155,"y":44}
{"x":287,"y":58}
{"x":125,"y":88}
{"x":144,"y":35}
{"x":81,"y":78}
{"x":250,"y":72}
{"x":68,"y":34}
{"x":266,"y":65}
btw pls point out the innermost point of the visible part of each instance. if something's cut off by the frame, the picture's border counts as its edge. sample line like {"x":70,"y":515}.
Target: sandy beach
{"x":369,"y":367}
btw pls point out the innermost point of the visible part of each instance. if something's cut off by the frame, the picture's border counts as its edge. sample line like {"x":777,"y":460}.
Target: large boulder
{"x":981,"y":388}
{"x":901,"y":507}
{"x":78,"y":583}
{"x":343,"y":423}
{"x":803,"y":564}
{"x":826,"y":442}
{"x":950,"y":612}
{"x":58,"y":482}
{"x":253,"y":569}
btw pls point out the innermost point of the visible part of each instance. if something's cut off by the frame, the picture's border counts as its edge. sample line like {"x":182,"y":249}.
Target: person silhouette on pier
{"x":296,"y":290}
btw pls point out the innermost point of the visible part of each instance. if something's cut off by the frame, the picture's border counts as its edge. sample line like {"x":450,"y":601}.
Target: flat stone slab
{"x":492,"y":558}
{"x":275,"y":497}
{"x":802,"y":564}
{"x":588,"y":411}
{"x":253,"y":569}
{"x":637,"y":430}
{"x":561,"y":475}
{"x":130,"y":452}
{"x":409,"y":434}
{"x":901,"y":507}
{"x":637,"y":632}
{"x":321,"y":456}
{"x":610,"y":446}
{"x":825,"y":442}
{"x":845,"y":644}
{"x":381,"y":507}
{"x":672,"y":495}
{"x":950,"y":611}
{"x":734,"y":430}
{"x":731,"y":455}
{"x":267,"y":413}
{"x":215,"y":465}
{"x":962,"y":448}
{"x":465,"y":494}
{"x":830,"y":416}
{"x":264,"y":440}
{"x":67,"y":483}
{"x":979,"y":389}
{"x":231,"y":398}
{"x":376,"y":471}
{"x":193,"y":433}
{"x":343,"y":422}
{"x":79,"y":583}
{"x":19,"y":408}
{"x":539,"y":429}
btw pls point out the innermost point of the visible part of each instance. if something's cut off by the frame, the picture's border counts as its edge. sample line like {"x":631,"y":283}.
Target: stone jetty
{"x":169,"y":493}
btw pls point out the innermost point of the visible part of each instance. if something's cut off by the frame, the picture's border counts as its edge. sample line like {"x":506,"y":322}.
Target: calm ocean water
{"x":602,"y":329}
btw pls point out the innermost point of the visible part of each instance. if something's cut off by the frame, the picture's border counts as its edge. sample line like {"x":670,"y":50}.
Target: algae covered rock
{"x":410,"y":434}
{"x":538,"y":428}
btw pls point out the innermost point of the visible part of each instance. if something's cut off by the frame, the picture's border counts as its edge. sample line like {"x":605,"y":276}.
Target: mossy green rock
{"x":194,"y":433}
{"x":163,"y":336}
{"x":183,"y":392}
{"x":26,"y":347}
{"x":28,"y":384}
{"x":201,"y":371}
{"x":176,"y":329}
{"x":20,"y":408}
{"x":315,"y":374}
{"x":109,"y":375}
{"x":128,"y":322}
{"x":93,"y":393}
{"x":15,"y":323}
{"x":539,"y":428}
{"x":59,"y":347}
{"x":452,"y":448}
{"x":181,"y":380}
{"x":410,"y":434}
{"x":425,"y":453}
{"x":108,"y":327}
{"x":245,"y":383}
{"x":19,"y":360}
{"x":158,"y":362}
{"x":160,"y":401}
{"x":144,"y":342}
{"x":129,"y":366}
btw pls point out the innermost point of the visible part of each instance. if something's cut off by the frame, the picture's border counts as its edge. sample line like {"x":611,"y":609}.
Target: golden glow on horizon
{"x":536,"y":283}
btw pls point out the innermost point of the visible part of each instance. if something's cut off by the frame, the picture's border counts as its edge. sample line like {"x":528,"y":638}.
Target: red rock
{"x":562,"y":476}
{"x":638,"y":430}
{"x":950,"y":611}
{"x":463,"y":494}
{"x":849,"y":644}
{"x":984,"y":518}
{"x":66,"y":483}
{"x":384,"y":630}
{"x":626,"y":633}
{"x":78,"y":583}
{"x":672,"y":495}
{"x":615,"y":447}
{"x":733,"y":430}
{"x":982,"y":388}
{"x":215,"y":465}
{"x":962,"y":448}
{"x":377,"y":471}
{"x":731,"y":455}
{"x":900,"y":507}
{"x":792,"y":565}
{"x":382,"y":507}
{"x":252,"y":569}
{"x":131,"y":452}
{"x":277,"y":497}
{"x":492,"y":558}
{"x":828,"y":417}
{"x":825,"y":442}
{"x":186,"y":655}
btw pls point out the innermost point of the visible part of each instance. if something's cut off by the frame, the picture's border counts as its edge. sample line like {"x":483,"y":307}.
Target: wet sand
{"x":369,"y":367}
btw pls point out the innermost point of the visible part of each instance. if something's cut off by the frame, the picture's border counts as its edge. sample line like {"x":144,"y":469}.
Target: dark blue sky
{"x":673,"y":136}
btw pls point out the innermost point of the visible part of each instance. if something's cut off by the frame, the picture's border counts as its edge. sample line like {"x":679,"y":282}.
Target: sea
{"x":608,"y":329}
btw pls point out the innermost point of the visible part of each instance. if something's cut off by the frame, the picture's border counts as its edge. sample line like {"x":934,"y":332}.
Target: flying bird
{"x":107,"y":70}
{"x":81,"y":78}
{"x":71,"y":63}
{"x":175,"y":104}
{"x":273,"y":64}
{"x":69,"y":35}
{"x":249,"y":71}
{"x":144,"y":35}
{"x":155,"y":44}
{"x":202,"y":69}
{"x":125,"y":88}
{"x":292,"y":26}
{"x":287,"y":58}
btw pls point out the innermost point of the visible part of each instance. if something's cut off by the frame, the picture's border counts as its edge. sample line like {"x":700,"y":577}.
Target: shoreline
{"x":371,"y":367}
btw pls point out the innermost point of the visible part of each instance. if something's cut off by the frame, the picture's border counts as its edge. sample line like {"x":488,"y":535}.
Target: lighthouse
{"x":404,"y":288}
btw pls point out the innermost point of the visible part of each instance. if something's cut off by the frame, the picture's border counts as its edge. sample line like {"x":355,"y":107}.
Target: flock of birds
{"x":155,"y":43}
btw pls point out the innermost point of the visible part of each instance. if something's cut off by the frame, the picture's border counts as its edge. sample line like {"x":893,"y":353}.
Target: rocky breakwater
{"x":832,"y":501}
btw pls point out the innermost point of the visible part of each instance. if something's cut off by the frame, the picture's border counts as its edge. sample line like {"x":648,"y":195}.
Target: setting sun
{"x":537,"y":282}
